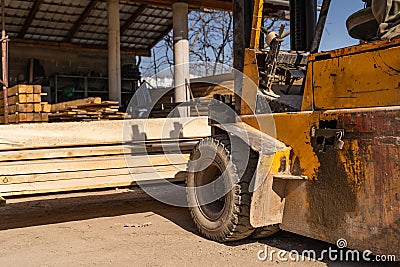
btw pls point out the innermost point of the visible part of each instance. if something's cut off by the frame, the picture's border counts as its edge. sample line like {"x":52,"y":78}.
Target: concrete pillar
{"x":181,"y":51}
{"x":114,"y":51}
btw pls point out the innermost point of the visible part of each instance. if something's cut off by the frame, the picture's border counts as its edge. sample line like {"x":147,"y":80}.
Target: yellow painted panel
{"x":293,"y":130}
{"x":308,"y":99}
{"x":367,"y":79}
{"x":250,"y":83}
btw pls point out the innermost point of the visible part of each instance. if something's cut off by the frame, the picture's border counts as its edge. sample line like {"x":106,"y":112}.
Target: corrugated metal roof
{"x":57,"y":20}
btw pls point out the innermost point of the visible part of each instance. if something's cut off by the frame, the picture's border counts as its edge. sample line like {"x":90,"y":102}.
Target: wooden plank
{"x":22,"y":98}
{"x":86,"y":112}
{"x":42,"y":117}
{"x":37,"y":107}
{"x":111,"y":116}
{"x":108,"y":102}
{"x":89,"y":163}
{"x":106,"y":110}
{"x":37,"y":89}
{"x":63,"y":114}
{"x":75,"y":103}
{"x":94,"y":174}
{"x":15,"y":118}
{"x":24,"y":108}
{"x":51,"y":135}
{"x":20,"y":89}
{"x":45,"y":107}
{"x":100,"y":107}
{"x":53,"y":153}
{"x":88,"y":183}
{"x":76,"y":152}
{"x":26,"y":117}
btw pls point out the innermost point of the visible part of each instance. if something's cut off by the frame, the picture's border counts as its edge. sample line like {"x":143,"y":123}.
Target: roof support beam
{"x":29,"y":19}
{"x":132,"y":19}
{"x":193,"y":4}
{"x":162,"y":35}
{"x":89,"y":8}
{"x":75,"y":47}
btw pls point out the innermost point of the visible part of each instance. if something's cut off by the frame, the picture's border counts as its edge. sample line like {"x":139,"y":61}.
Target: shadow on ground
{"x":21,"y":213}
{"x":44,"y":210}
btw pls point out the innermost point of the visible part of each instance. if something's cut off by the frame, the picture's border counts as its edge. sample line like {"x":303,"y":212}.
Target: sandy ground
{"x":124,"y":228}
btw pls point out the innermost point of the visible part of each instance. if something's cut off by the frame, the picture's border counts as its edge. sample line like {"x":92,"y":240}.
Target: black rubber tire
{"x":233,"y":222}
{"x":265,"y":231}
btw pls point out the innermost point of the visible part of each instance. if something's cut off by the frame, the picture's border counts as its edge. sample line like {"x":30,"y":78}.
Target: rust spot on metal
{"x":330,"y":197}
{"x":356,"y":195}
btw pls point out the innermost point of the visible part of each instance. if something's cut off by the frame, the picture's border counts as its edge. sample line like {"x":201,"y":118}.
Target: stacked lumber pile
{"x":87,"y":109}
{"x":57,"y":157}
{"x":25,"y":105}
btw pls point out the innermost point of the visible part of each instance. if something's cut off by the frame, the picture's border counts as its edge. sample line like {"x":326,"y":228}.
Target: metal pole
{"x":320,"y":26}
{"x":4,"y":60}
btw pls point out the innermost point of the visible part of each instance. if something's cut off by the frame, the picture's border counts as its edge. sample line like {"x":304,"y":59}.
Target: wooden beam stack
{"x":25,"y":105}
{"x":57,"y":157}
{"x":88,"y":109}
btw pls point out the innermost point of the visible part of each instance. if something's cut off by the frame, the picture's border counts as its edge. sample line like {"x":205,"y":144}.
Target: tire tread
{"x":239,"y":226}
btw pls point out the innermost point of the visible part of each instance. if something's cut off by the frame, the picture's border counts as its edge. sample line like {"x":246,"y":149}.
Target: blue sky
{"x":335,"y":34}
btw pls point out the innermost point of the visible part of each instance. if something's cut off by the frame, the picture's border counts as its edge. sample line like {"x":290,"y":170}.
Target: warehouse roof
{"x":83,"y":24}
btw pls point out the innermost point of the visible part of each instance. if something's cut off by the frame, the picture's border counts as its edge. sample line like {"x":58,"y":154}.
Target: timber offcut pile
{"x":87,"y":109}
{"x":25,"y":105}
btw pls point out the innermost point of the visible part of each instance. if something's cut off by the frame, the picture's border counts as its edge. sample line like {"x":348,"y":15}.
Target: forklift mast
{"x":303,"y":18}
{"x":247,"y":22}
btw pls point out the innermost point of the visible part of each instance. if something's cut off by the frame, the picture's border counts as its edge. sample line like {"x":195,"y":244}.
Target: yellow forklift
{"x":323,"y":160}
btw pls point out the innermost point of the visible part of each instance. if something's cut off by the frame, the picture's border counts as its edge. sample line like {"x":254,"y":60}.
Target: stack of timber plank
{"x":60,"y":157}
{"x":25,"y":105}
{"x":87,"y":109}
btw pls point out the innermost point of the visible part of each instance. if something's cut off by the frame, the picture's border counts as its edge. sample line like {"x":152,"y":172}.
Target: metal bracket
{"x":328,"y":133}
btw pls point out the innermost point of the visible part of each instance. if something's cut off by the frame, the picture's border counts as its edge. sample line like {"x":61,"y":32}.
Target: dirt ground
{"x":124,"y":228}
